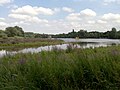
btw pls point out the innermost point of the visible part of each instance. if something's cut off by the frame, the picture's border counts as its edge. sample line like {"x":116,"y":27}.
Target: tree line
{"x":17,"y":31}
{"x":112,"y":34}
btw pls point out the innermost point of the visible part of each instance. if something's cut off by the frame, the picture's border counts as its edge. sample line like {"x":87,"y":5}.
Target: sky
{"x":60,"y":16}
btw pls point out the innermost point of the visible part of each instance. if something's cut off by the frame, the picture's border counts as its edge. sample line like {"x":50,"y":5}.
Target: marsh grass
{"x":71,"y":69}
{"x":20,"y":43}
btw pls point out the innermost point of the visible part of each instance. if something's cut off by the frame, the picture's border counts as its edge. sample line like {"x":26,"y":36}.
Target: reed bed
{"x":70,"y":69}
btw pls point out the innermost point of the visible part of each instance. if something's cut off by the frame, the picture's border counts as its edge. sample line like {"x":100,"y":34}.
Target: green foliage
{"x":2,"y":34}
{"x":18,"y":31}
{"x":41,"y":36}
{"x":10,"y":31}
{"x":14,"y":31}
{"x":38,"y":36}
{"x":79,"y":69}
{"x":29,"y":35}
{"x":113,"y":34}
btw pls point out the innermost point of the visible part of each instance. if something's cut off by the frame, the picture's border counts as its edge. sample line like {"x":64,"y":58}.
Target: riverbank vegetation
{"x":70,"y":69}
{"x":16,"y":38}
{"x":112,"y":34}
{"x":19,"y":43}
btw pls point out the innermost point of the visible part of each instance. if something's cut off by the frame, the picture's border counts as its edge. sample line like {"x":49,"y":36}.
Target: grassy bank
{"x":72,"y":69}
{"x":17,"y":43}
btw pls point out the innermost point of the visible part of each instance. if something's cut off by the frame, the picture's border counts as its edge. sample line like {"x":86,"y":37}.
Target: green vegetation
{"x":113,"y":34}
{"x":14,"y":31}
{"x":15,"y":38}
{"x":17,"y":31}
{"x":71,"y":69}
{"x":19,"y":43}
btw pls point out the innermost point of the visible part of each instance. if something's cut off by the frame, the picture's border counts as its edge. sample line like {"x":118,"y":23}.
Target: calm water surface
{"x":81,"y":43}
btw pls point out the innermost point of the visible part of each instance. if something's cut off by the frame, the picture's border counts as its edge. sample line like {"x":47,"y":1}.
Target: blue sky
{"x":60,"y":16}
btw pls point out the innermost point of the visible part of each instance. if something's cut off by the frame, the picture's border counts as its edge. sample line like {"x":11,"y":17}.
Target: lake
{"x":79,"y":43}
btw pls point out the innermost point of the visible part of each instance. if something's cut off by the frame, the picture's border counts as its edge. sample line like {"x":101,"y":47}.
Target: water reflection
{"x":33,"y":50}
{"x":82,"y":43}
{"x":108,"y":41}
{"x":91,"y":45}
{"x":44,"y":48}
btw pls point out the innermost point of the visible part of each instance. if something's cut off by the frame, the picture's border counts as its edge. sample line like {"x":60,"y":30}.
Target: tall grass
{"x":71,"y":69}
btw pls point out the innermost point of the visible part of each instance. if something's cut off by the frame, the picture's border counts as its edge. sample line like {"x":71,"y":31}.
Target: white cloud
{"x":67,"y":9}
{"x":25,"y":10}
{"x":27,"y":18}
{"x":12,"y":6}
{"x":31,"y":19}
{"x":101,"y":21}
{"x":83,"y":14}
{"x":29,"y":10}
{"x":2,"y":2}
{"x":56,"y":9}
{"x":73,"y":16}
{"x":88,"y":12}
{"x":19,"y":16}
{"x":91,"y":22}
{"x":118,"y":21}
{"x":19,"y":23}
{"x":3,"y":25}
{"x":111,"y":17}
{"x":30,"y":14}
{"x":2,"y":19}
{"x":45,"y":11}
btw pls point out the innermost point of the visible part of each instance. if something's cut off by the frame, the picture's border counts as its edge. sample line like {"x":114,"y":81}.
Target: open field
{"x":71,"y":69}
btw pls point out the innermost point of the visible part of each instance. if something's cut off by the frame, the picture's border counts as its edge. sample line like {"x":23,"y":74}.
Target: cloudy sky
{"x":60,"y":16}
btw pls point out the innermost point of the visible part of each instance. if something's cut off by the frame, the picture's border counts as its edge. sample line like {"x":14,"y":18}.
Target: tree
{"x":82,"y":34}
{"x":112,"y":33}
{"x":20,"y":31}
{"x":118,"y":34}
{"x":14,"y":31}
{"x":29,"y":34}
{"x":11,"y":32}
{"x":73,"y":31}
{"x":38,"y":35}
{"x":2,"y":34}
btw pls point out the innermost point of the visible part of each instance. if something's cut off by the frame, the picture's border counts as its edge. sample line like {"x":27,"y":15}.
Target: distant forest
{"x":112,"y":34}
{"x":17,"y":31}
